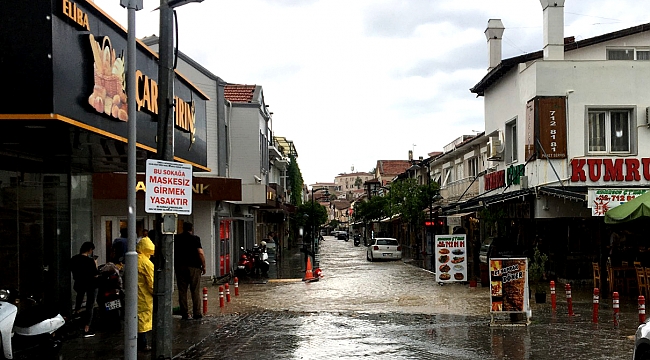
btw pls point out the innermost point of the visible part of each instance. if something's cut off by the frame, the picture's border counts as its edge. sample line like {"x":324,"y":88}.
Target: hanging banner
{"x":602,"y":200}
{"x":509,"y":285}
{"x":451,"y":258}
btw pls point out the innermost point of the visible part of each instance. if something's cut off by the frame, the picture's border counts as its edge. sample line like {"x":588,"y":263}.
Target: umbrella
{"x":631,"y":210}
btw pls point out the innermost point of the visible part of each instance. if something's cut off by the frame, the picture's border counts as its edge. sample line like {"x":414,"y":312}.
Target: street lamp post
{"x":315,"y":249}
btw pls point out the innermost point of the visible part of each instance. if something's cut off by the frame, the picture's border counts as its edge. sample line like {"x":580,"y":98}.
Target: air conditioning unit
{"x":494,"y":149}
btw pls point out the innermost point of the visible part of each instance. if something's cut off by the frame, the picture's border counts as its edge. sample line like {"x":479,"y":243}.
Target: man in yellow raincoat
{"x":145,"y":248}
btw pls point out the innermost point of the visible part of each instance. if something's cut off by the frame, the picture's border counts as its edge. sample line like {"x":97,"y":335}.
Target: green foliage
{"x":374,"y":209}
{"x":358,"y":182}
{"x":334,"y":224}
{"x":409,"y":199}
{"x":537,"y":269}
{"x":295,"y":181}
{"x":316,"y":215}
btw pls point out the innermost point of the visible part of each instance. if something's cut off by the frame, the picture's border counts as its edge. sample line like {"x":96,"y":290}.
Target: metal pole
{"x":131,"y":257}
{"x":162,"y":312}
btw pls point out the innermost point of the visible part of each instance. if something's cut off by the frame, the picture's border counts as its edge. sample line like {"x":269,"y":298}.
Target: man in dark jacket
{"x":84,"y":272}
{"x":189,"y":265}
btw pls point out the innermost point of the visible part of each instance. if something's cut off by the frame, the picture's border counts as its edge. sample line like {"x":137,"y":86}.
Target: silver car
{"x":642,"y":342}
{"x":384,"y":248}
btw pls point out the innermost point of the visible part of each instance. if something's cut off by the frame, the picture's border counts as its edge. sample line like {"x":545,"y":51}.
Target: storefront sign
{"x":451,"y":258}
{"x":169,"y":187}
{"x":602,"y":200}
{"x":628,"y":169}
{"x":509,"y":285}
{"x":546,"y":128}
{"x":495,"y":180}
{"x":71,"y":10}
{"x":514,"y":174}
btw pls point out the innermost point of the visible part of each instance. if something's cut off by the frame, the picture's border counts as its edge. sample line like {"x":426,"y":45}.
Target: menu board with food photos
{"x":451,"y":258}
{"x":509,"y":285}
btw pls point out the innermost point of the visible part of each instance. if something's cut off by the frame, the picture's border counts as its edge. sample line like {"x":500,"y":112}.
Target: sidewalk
{"x":186,"y":333}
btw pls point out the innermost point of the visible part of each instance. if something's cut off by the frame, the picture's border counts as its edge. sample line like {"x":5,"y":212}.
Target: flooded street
{"x":392,"y":310}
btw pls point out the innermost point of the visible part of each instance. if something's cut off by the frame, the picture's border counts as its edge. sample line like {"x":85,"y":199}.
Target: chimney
{"x":493,"y":34}
{"x":553,"y":29}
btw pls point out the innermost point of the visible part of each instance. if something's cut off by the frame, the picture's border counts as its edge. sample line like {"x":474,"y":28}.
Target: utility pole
{"x":162,"y":303}
{"x":131,"y":257}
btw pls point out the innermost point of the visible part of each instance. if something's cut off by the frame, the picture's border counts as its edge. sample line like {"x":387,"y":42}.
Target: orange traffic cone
{"x":309,"y":276}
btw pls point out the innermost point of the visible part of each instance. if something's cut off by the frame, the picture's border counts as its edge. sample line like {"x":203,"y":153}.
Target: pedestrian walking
{"x":145,"y":250}
{"x":189,"y":265}
{"x":84,"y":272}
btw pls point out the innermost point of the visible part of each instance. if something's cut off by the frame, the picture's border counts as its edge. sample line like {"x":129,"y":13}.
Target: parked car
{"x":642,"y":342}
{"x":384,"y":248}
{"x":342,"y":235}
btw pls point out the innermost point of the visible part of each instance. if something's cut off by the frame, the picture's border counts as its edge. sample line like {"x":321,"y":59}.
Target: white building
{"x":563,"y":123}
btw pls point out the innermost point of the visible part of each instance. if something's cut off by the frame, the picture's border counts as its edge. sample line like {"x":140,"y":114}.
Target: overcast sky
{"x":355,"y":81}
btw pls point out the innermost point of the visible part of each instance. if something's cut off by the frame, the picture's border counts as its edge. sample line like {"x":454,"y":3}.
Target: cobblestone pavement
{"x":379,"y":310}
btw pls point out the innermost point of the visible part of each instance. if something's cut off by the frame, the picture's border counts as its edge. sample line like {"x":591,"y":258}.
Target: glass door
{"x":112,"y":228}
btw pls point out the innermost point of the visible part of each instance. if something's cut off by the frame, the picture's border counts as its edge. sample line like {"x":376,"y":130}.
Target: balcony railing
{"x":454,"y":189}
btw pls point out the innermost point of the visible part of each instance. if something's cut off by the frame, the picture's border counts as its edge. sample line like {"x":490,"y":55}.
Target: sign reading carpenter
{"x":168,"y":187}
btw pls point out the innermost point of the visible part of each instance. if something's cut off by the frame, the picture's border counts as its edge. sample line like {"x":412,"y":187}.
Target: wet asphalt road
{"x":392,"y":310}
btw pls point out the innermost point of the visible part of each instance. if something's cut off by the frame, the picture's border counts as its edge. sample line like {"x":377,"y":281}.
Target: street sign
{"x":168,"y":187}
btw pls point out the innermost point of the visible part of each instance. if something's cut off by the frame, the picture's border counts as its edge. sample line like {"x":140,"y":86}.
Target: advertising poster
{"x":451,"y":258}
{"x":509,"y":285}
{"x":602,"y":200}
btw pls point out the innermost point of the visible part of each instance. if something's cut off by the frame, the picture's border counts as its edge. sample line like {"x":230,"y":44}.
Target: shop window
{"x":609,"y":131}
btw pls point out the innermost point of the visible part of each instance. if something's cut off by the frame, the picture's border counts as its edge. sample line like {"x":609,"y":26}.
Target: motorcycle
{"x":110,"y":296}
{"x":246,"y":263}
{"x":30,"y":333}
{"x":261,"y":257}
{"x":254,"y":261}
{"x":357,"y":240}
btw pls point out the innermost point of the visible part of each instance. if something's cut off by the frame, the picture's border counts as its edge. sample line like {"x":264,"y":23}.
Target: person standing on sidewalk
{"x":145,"y":250}
{"x":84,"y":272}
{"x":189,"y":265}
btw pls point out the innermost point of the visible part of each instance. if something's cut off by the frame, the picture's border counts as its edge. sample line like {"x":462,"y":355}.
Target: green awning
{"x":637,"y":208}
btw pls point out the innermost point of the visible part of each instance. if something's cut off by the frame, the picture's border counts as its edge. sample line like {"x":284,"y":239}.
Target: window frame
{"x":472,"y":167}
{"x":608,"y":110}
{"x":511,"y":154}
{"x":634,"y":50}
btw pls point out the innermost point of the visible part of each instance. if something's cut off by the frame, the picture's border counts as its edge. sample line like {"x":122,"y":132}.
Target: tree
{"x":410,"y":199}
{"x":295,"y":181}
{"x":358,"y":182}
{"x":311,"y":214}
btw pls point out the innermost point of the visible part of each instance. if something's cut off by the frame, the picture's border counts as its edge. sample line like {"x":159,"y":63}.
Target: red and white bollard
{"x":596,"y":298}
{"x":221,"y":304}
{"x":205,"y":300}
{"x":553,"y":299}
{"x":641,"y":309}
{"x":615,"y":305}
{"x":569,"y":302}
{"x":236,"y":287}
{"x":227,"y":292}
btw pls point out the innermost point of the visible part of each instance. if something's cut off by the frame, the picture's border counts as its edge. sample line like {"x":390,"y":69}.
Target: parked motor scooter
{"x":110,"y":296}
{"x":30,"y":333}
{"x":246,"y":264}
{"x":357,"y":239}
{"x":261,"y":259}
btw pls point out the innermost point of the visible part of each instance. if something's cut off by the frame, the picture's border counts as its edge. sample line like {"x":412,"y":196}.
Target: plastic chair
{"x":597,"y":281}
{"x":642,"y":281}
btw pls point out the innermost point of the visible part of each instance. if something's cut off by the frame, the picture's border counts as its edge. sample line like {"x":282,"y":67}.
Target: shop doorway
{"x":111,"y":227}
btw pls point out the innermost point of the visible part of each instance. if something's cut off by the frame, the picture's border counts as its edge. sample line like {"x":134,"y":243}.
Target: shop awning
{"x":636,"y":208}
{"x":563,"y":193}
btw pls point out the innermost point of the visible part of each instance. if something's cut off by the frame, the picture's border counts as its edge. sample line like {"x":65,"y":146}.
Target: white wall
{"x":202,"y":216}
{"x":245,"y":144}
